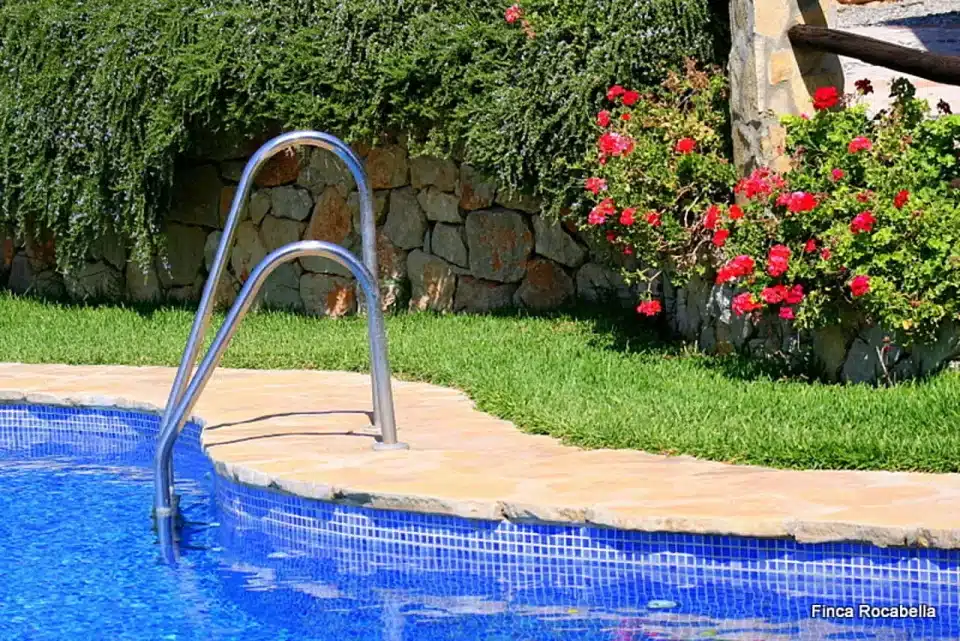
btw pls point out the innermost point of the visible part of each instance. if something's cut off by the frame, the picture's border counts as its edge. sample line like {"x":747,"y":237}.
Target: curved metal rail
{"x":382,"y":392}
{"x":201,"y":321}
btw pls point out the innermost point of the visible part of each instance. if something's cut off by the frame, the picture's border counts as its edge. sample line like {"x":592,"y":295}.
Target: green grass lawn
{"x":584,"y":380}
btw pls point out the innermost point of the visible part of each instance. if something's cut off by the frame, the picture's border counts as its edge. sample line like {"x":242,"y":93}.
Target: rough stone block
{"x":499,"y":242}
{"x":325,"y":295}
{"x":475,"y":190}
{"x":433,"y":282}
{"x":546,"y":286}
{"x":387,"y":167}
{"x":406,"y":221}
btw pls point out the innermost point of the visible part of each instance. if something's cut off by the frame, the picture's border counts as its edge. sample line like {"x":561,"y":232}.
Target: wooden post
{"x":769,"y":78}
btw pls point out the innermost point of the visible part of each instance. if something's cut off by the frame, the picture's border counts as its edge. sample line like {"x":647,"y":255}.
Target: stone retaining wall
{"x":448,"y":239}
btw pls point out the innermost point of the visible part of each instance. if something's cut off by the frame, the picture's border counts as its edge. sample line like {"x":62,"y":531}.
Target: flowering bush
{"x":864,"y":228}
{"x":660,"y":159}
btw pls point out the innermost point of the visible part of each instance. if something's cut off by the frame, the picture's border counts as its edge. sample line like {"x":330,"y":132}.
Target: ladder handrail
{"x":164,"y":502}
{"x":368,"y":233}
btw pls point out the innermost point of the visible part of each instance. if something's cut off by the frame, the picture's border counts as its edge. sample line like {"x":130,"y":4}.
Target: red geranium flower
{"x":860,"y":285}
{"x":736,"y":268}
{"x":837,"y":175}
{"x":653,"y":218}
{"x":798,"y":201}
{"x":649,"y":307}
{"x":611,"y":236}
{"x":685,"y":146}
{"x":864,"y":196}
{"x":862,"y":222}
{"x":760,"y":182}
{"x":626,"y":117}
{"x":786,"y":313}
{"x":615,"y":92}
{"x":614,"y":144}
{"x":810,"y":246}
{"x":859,"y":143}
{"x":513,"y":13}
{"x":825,"y":253}
{"x":778,"y":260}
{"x":628,"y":251}
{"x":901,"y":198}
{"x":794,"y":295}
{"x":630,"y":97}
{"x":720,"y":237}
{"x":736,"y":213}
{"x":825,"y":98}
{"x":744,"y":304}
{"x":595,"y":185}
{"x":774,"y":295}
{"x":598,"y":215}
{"x":603,"y":118}
{"x":626,"y":216}
{"x":712,"y":217}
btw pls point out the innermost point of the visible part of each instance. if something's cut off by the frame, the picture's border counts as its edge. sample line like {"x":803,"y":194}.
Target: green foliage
{"x":98,"y":98}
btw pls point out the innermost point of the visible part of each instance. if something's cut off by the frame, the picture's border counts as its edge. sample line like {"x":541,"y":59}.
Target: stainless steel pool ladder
{"x":188,"y":386}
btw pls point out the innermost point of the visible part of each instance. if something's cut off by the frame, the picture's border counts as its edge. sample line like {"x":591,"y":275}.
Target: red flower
{"x":798,"y":201}
{"x":744,"y":304}
{"x":736,"y":268}
{"x":685,"y":146}
{"x":614,"y":144}
{"x":603,"y":118}
{"x":864,"y":196}
{"x":774,"y":295}
{"x":626,"y":117}
{"x":611,"y":236}
{"x":825,"y":98}
{"x":837,"y":175}
{"x":615,"y":92}
{"x":760,"y":182}
{"x":627,"y":251}
{"x":859,"y":144}
{"x":860,"y":285}
{"x":862,"y":222}
{"x":901,"y":198}
{"x":794,"y":295}
{"x":786,"y":313}
{"x":630,"y":97}
{"x":735,"y":212}
{"x":513,"y":14}
{"x":712,"y":217}
{"x":864,"y":86}
{"x":653,"y":218}
{"x":598,"y":215}
{"x":626,"y":216}
{"x":649,"y":308}
{"x":595,"y":185}
{"x":810,"y":246}
{"x":778,"y":260}
{"x":825,"y":253}
{"x":720,"y":237}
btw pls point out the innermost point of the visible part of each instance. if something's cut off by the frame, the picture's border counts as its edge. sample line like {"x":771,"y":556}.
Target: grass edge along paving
{"x":581,"y":379}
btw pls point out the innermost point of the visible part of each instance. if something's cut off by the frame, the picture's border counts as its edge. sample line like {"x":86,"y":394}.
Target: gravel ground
{"x":901,"y":13}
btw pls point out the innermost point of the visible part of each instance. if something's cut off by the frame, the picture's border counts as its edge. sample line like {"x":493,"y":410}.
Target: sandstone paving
{"x":311,"y":433}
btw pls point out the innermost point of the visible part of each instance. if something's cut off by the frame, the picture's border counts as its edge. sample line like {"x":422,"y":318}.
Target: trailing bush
{"x":864,"y":228}
{"x":98,"y":98}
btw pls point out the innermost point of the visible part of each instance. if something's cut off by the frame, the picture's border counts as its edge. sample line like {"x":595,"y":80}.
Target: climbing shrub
{"x":98,"y":98}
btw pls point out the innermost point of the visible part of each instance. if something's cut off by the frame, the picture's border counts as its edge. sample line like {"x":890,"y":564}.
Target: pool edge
{"x":801,"y":531}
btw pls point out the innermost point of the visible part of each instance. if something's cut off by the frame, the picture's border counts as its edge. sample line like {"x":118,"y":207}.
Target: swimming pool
{"x":81,"y":562}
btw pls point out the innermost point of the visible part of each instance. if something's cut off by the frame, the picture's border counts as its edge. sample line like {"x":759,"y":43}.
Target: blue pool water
{"x":80,"y":561}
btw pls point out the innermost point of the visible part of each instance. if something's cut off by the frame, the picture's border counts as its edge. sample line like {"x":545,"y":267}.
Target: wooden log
{"x":930,"y":66}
